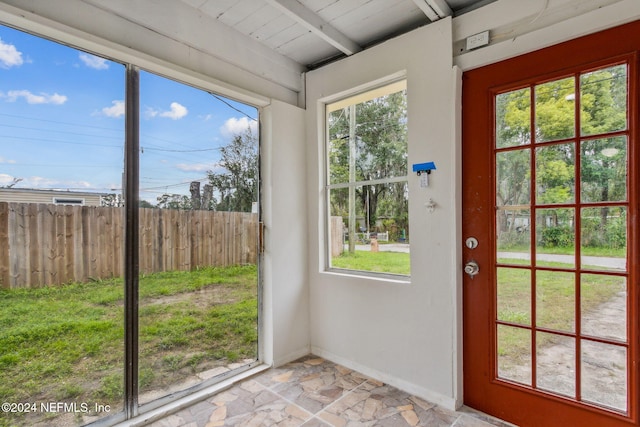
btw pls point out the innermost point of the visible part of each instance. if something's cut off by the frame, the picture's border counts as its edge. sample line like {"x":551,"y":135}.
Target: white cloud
{"x":31,"y":98}
{"x":94,"y":62}
{"x":150,"y":113}
{"x":5,"y":179}
{"x":116,"y":110}
{"x":42,"y":182}
{"x":46,"y":183}
{"x":176,"y":112}
{"x":9,"y":55}
{"x":196,"y":167}
{"x":239,"y":126}
{"x":3,"y":160}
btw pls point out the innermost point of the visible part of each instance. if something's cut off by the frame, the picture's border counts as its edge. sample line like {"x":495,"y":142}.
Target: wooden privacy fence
{"x":337,"y":236}
{"x":45,"y":244}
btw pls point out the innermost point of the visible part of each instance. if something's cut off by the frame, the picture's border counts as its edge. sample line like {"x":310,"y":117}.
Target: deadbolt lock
{"x":471,"y":243}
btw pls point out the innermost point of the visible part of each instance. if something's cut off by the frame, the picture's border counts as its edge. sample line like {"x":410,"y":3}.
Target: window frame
{"x":358,"y":95}
{"x":68,"y":201}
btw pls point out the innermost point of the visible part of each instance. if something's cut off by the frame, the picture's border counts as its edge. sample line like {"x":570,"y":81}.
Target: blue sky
{"x":62,"y":122}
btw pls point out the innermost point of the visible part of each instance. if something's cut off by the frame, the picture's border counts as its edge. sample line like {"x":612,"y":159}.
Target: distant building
{"x":56,"y":197}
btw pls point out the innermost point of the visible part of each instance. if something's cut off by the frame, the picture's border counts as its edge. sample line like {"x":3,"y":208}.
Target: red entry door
{"x":550,"y":195}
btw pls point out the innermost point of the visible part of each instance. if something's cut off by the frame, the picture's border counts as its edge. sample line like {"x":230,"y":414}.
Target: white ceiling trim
{"x":316,"y":25}
{"x":441,"y":7}
{"x":434,"y":9}
{"x":88,"y":28}
{"x":184,"y":24}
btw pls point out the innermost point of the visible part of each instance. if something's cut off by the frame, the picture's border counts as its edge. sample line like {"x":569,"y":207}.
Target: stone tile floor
{"x":314,"y":392}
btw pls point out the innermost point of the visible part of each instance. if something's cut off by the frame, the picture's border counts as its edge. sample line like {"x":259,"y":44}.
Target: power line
{"x":58,"y":141}
{"x":159,"y":187}
{"x":62,"y":131}
{"x":56,"y":165}
{"x":232,"y":107}
{"x":177,"y":151}
{"x":60,"y":123}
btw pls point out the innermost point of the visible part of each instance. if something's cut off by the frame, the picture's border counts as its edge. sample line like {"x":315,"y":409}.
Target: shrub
{"x":557,"y":237}
{"x":513,"y":239}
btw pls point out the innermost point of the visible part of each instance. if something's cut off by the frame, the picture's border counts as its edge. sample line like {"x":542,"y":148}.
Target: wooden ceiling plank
{"x":316,"y":25}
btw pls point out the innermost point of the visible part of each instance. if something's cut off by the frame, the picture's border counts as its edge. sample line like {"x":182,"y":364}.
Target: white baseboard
{"x":290,"y":357}
{"x":439,"y":399}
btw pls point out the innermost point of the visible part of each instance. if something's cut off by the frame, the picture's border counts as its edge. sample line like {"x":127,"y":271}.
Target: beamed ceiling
{"x":266,"y":46}
{"x":312,"y":32}
{"x":308,"y":32}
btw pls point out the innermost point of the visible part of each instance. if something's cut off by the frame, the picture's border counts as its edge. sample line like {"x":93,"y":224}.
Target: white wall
{"x":402,"y":333}
{"x":409,"y":334}
{"x":285,"y":291}
{"x":517,"y":27}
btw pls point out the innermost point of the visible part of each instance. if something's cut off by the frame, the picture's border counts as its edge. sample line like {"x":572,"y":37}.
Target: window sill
{"x":365,"y":275}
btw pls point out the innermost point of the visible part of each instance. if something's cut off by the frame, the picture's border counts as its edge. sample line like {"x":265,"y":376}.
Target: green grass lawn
{"x":380,"y":262}
{"x":560,"y":250}
{"x":555,"y":303}
{"x":65,"y":343}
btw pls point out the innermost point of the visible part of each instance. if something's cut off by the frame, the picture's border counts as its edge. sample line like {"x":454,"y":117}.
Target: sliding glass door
{"x":198,"y":236}
{"x":128,"y":236}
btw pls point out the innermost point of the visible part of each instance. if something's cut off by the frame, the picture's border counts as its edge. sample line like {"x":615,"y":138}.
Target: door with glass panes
{"x":550,"y":195}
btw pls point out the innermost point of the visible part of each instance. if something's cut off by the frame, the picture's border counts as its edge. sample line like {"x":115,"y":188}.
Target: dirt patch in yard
{"x":206,"y":297}
{"x":604,"y":367}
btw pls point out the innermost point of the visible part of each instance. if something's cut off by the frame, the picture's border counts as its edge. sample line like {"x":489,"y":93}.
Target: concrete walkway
{"x":390,"y":247}
{"x":592,"y":261}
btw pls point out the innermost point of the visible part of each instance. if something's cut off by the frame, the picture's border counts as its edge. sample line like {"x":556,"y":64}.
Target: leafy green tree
{"x":603,"y":100}
{"x":236,"y":186}
{"x":112,"y":200}
{"x":381,"y":152}
{"x":174,"y":201}
{"x":513,"y":117}
{"x":555,"y":110}
{"x":555,"y":174}
{"x":603,"y":161}
{"x":117,"y":200}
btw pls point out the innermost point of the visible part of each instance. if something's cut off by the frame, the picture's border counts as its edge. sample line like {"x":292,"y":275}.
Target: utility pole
{"x":194,"y":188}
{"x":352,"y":178}
{"x":207,"y":196}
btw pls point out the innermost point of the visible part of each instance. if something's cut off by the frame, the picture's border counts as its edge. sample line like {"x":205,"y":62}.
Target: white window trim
{"x":366,"y":92}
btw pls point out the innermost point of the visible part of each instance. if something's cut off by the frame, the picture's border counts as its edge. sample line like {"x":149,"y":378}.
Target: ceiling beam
{"x":434,"y":9}
{"x":441,"y":7}
{"x":318,"y":26}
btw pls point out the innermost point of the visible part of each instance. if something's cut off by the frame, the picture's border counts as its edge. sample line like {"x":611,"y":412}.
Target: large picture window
{"x":128,"y":236}
{"x":366,"y":182}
